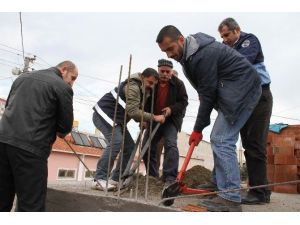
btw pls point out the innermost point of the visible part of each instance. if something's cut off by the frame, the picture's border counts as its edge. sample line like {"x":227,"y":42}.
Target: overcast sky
{"x":100,"y":42}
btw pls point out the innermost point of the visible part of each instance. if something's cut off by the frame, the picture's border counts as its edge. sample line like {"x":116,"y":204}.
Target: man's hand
{"x":167,"y":111}
{"x":145,"y":125}
{"x":195,"y":137}
{"x":159,"y":118}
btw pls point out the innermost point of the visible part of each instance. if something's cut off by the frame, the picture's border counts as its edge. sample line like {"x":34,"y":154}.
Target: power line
{"x":93,"y":94}
{"x":97,"y":78}
{"x":44,"y":60}
{"x":5,"y":64}
{"x":4,"y":45}
{"x":86,"y":100}
{"x":4,"y":78}
{"x":22,"y":35}
{"x":83,"y":103}
{"x":8,"y":61}
{"x":2,"y":49}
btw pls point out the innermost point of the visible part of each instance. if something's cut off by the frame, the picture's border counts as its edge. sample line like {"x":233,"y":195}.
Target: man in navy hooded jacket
{"x":225,"y":80}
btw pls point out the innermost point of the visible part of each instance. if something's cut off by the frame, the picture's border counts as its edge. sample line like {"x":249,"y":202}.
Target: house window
{"x":68,"y":174}
{"x":89,"y":174}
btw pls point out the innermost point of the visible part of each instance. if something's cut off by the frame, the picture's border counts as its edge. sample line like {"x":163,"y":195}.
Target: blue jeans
{"x":171,"y":154}
{"x":102,"y":165}
{"x":226,"y":173}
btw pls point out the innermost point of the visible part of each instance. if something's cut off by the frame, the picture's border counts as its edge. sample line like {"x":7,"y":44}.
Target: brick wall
{"x":283,"y":159}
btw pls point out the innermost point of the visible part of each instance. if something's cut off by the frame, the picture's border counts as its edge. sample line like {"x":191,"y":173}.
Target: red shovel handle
{"x":186,"y":161}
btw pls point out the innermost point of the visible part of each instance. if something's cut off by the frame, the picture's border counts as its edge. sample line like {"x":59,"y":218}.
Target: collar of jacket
{"x":56,"y":71}
{"x":190,"y":46}
{"x":243,"y":35}
{"x":173,"y":80}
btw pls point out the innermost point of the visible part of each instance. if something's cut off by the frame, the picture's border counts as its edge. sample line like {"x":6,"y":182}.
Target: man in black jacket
{"x":225,"y":80}
{"x":39,"y":108}
{"x":170,"y":99}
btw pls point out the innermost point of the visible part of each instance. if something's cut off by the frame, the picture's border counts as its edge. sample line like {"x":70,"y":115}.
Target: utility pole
{"x":27,"y":61}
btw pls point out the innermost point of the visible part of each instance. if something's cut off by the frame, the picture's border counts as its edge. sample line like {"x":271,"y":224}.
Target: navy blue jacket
{"x":223,"y":78}
{"x":249,"y":46}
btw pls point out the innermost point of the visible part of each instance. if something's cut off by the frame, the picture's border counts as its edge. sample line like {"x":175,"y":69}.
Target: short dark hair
{"x":150,"y":72}
{"x":230,"y":23}
{"x":168,"y":31}
{"x":69,"y":64}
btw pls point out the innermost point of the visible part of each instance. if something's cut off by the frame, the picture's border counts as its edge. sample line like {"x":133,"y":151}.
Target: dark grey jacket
{"x":39,"y":105}
{"x":177,"y":100}
{"x":223,"y":78}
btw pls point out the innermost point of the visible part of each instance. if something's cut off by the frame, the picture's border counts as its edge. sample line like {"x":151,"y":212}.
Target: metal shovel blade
{"x":170,"y":191}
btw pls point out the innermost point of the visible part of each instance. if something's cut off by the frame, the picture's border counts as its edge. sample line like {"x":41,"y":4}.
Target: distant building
{"x":63,"y":164}
{"x":2,"y":106}
{"x":202,"y":154}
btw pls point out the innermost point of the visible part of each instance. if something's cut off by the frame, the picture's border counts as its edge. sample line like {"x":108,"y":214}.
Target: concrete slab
{"x":76,"y":196}
{"x":66,"y":201}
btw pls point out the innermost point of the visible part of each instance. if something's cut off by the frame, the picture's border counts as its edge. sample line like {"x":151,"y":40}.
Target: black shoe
{"x":268,"y":196}
{"x":208,"y":186}
{"x":251,"y":199}
{"x":218,"y":204}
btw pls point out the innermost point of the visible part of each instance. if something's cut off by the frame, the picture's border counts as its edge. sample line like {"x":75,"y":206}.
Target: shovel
{"x":178,"y":187}
{"x":127,"y":176}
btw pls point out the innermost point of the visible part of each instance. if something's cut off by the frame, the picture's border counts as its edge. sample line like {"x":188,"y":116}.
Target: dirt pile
{"x":193,"y":177}
{"x":196,"y":175}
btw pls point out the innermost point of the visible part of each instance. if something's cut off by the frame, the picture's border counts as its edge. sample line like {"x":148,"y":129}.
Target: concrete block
{"x":283,"y":173}
{"x":270,"y":159}
{"x":284,"y":150}
{"x":284,"y":141}
{"x":270,"y":173}
{"x":281,"y":159}
{"x":297,"y":144}
{"x":269,"y":150}
{"x":270,"y":138}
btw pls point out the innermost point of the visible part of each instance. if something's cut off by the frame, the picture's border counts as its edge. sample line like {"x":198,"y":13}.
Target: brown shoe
{"x":218,"y":204}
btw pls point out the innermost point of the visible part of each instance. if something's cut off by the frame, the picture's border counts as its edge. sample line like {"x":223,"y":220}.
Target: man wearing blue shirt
{"x":255,"y":131}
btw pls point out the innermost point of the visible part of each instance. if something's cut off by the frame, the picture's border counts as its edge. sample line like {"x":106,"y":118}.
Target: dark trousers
{"x":24,"y":174}
{"x":102,"y":165}
{"x":254,"y":139}
{"x":171,"y":155}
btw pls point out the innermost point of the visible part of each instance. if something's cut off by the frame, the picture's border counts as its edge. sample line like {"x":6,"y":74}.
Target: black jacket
{"x":223,"y":78}
{"x":39,"y":105}
{"x":177,"y":100}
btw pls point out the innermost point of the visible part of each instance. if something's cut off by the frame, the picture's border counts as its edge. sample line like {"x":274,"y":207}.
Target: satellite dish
{"x":16,"y":71}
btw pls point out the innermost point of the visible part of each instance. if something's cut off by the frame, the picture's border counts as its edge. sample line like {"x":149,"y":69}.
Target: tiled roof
{"x":61,"y":146}
{"x":2,"y":100}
